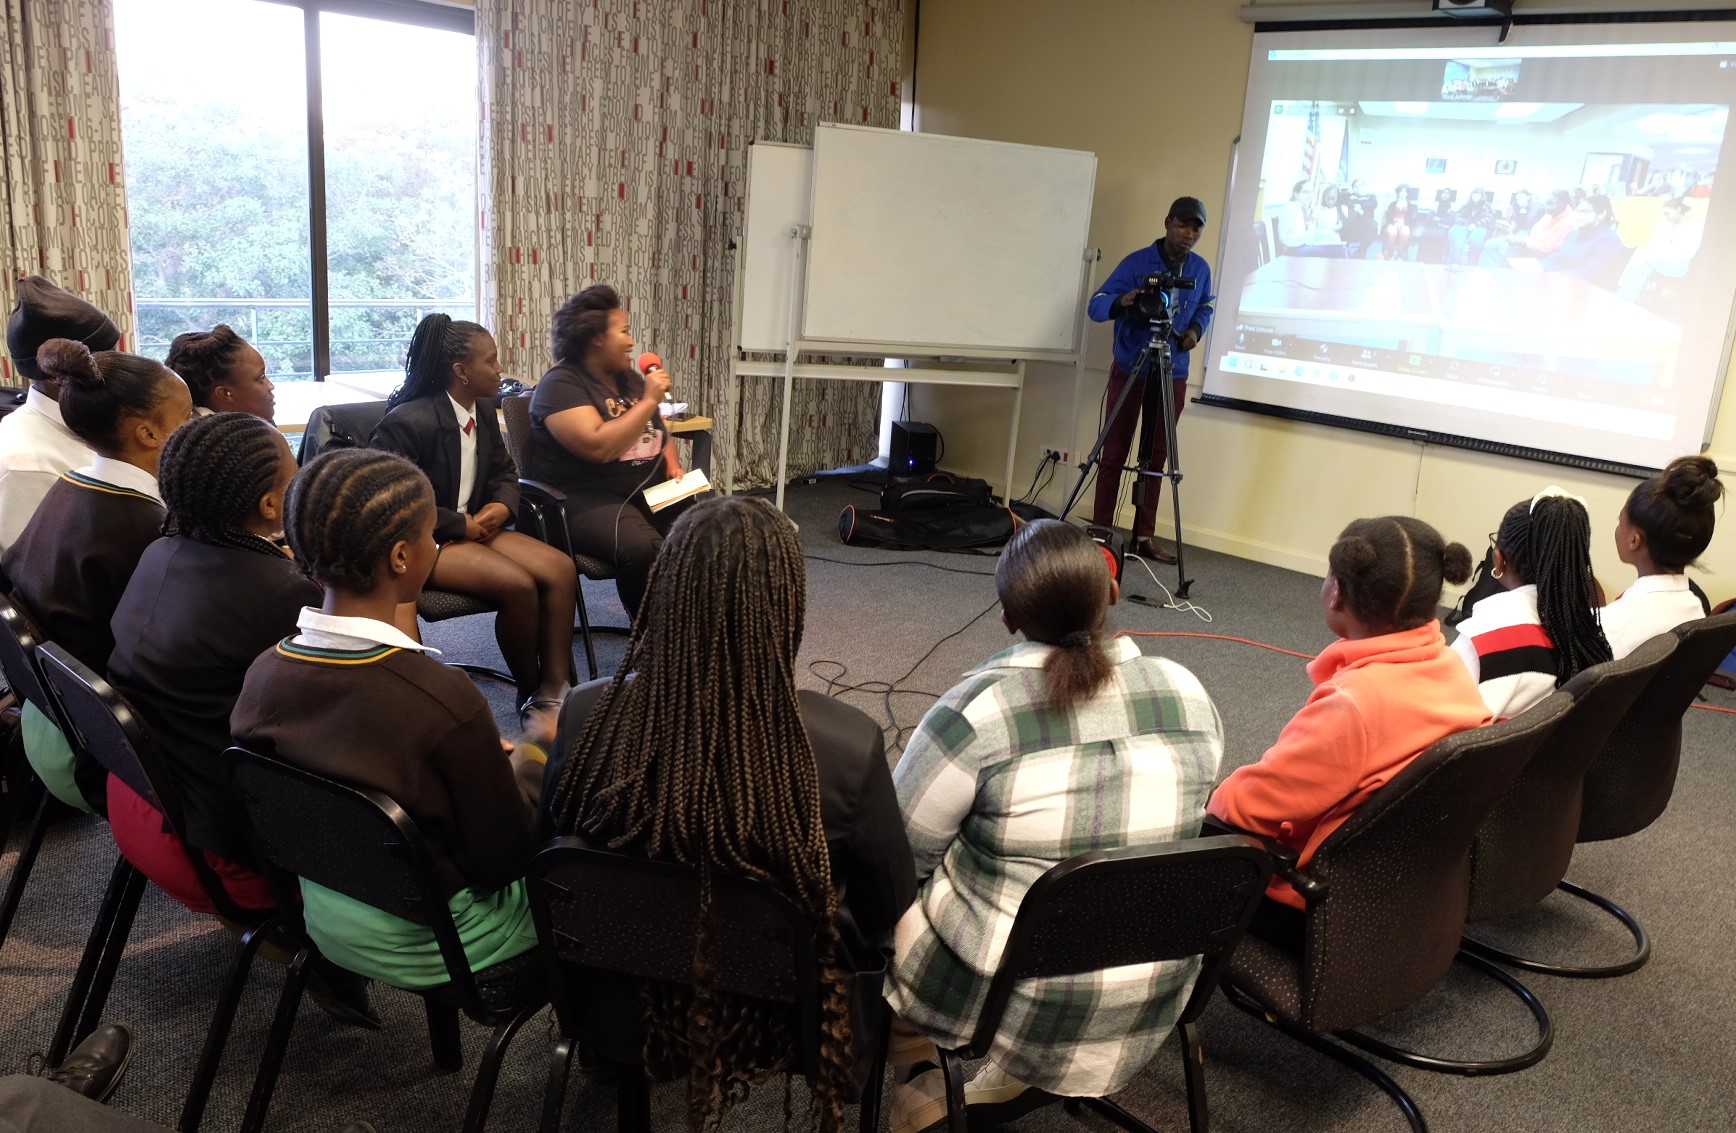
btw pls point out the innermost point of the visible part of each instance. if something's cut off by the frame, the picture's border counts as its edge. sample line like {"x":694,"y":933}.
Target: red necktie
{"x":469,"y":425}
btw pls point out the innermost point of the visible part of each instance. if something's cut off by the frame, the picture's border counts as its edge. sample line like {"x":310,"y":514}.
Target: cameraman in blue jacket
{"x":1173,"y":255}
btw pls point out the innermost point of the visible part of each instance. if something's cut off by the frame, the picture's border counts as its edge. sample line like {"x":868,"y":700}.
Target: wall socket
{"x":1055,"y":452}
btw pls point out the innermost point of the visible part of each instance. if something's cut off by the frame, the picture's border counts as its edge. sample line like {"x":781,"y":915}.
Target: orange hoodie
{"x":1377,"y":703}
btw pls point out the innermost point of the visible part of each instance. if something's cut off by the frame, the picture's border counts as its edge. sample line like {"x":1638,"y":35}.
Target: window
{"x":327,"y":274}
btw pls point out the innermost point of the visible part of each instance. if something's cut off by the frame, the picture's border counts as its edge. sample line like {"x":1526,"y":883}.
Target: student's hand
{"x":657,"y":384}
{"x":1190,"y":338}
{"x":1127,"y":299}
{"x":474,"y":532}
{"x":492,"y":518}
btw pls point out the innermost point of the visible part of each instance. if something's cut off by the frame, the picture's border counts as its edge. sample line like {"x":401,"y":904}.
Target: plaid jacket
{"x":995,"y":789}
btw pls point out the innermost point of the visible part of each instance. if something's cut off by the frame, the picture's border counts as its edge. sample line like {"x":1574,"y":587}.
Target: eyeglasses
{"x":1493,"y":536}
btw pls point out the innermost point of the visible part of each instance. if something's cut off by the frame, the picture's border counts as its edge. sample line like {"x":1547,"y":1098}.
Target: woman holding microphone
{"x":598,"y":436}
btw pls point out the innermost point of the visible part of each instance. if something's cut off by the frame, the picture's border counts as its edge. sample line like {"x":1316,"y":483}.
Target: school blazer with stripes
{"x":426,"y":431}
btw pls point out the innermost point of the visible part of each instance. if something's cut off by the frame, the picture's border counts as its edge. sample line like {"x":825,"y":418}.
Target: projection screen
{"x":1510,"y":246}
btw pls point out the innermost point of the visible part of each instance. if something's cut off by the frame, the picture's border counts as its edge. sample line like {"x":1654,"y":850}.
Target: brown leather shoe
{"x":1150,"y":548}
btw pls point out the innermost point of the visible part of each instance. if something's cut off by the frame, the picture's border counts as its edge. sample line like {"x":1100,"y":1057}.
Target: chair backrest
{"x":1399,"y":873}
{"x":106,"y":726}
{"x":1526,"y":843}
{"x":350,"y":840}
{"x":515,"y":408}
{"x":1134,"y":905}
{"x":623,"y":915}
{"x":339,"y":426}
{"x":19,"y":639}
{"x":1630,"y":780}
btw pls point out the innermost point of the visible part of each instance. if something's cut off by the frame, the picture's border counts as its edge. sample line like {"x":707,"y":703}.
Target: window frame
{"x":419,"y":13}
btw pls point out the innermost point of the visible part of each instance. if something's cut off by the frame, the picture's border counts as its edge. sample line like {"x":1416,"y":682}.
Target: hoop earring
{"x":1495,"y":572}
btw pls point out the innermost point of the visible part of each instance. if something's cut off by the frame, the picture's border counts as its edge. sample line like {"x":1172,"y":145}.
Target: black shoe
{"x":345,"y":1000}
{"x":96,"y":1065}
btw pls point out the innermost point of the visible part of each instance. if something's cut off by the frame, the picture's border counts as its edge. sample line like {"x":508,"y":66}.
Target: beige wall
{"x":1154,"y":88}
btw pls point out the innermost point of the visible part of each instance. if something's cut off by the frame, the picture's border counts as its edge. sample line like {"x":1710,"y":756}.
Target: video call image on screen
{"x":1473,"y":235}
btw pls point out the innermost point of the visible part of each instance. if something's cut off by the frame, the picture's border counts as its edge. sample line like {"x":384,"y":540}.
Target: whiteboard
{"x":778,"y":191}
{"x":933,"y":242}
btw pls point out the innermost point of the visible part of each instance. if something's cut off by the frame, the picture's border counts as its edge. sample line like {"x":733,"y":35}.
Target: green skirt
{"x":376,"y":944}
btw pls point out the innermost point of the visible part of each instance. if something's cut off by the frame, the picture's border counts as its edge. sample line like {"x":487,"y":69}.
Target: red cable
{"x":1713,"y":708}
{"x":1213,"y":637}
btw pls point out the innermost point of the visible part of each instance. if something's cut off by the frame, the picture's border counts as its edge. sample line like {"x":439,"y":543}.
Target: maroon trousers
{"x":1153,"y":449}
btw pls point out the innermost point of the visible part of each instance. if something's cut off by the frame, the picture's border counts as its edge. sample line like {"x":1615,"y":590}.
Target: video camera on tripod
{"x":1152,"y":301}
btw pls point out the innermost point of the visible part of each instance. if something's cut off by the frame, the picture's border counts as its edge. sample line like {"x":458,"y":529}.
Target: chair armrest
{"x":1284,"y":860}
{"x":537,"y":487}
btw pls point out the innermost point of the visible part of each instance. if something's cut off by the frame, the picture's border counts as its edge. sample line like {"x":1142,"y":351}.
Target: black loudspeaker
{"x":915,"y":448}
{"x":1114,"y":548}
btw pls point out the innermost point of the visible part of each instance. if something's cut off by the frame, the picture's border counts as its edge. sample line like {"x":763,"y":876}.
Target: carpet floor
{"x":888,"y":631}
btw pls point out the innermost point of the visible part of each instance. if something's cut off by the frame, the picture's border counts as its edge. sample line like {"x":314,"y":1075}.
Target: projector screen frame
{"x":1423,"y":436}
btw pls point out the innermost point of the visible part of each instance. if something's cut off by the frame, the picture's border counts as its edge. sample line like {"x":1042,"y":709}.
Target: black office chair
{"x":601,"y":916}
{"x":352,"y":426}
{"x":1633,"y":775}
{"x":542,"y":514}
{"x":362,"y":844}
{"x":109,"y":728}
{"x":1385,"y":896}
{"x":19,"y":639}
{"x":1111,"y":908}
{"x":1523,"y":850}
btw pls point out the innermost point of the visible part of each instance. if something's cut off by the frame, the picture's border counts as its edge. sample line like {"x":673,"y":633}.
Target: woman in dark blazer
{"x":442,"y":421}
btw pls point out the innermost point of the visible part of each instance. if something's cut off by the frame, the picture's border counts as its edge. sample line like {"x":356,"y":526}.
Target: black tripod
{"x":1159,"y":396}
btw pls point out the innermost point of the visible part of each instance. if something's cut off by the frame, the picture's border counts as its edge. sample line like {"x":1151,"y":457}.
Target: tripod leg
{"x":1094,"y":458}
{"x":1172,"y":470}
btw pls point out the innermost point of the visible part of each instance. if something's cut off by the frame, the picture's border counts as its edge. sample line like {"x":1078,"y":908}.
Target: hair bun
{"x":1354,"y":556}
{"x":1455,"y":563}
{"x":67,"y":360}
{"x":1692,"y":482}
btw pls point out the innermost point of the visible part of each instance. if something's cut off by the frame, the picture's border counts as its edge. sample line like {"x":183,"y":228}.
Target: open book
{"x":660,"y":496}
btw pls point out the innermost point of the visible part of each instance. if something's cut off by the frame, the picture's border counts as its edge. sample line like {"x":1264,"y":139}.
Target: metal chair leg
{"x":871,"y":1093}
{"x":632,"y":1100}
{"x":84,"y":975}
{"x":443,"y":1036}
{"x":1193,"y":1064}
{"x":488,"y":1070}
{"x":47,"y":811}
{"x":1348,"y":1059}
{"x":1642,"y":945}
{"x":90,"y":1017}
{"x":222,"y":1018}
{"x":1471,"y":1069}
{"x":276,"y":1042}
{"x":555,"y":1095}
{"x":584,"y":627}
{"x":500,"y":675}
{"x":952,"y":1070}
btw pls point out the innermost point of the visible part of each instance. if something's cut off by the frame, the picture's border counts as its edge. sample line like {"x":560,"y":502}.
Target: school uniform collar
{"x":1033,"y":654}
{"x":461,"y":414}
{"x":122,"y":475}
{"x":1658,"y":584}
{"x":39,"y":403}
{"x":321,"y":630}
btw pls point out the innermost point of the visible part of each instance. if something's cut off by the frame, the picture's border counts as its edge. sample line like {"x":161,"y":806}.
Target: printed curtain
{"x":616,"y":135}
{"x":60,"y":156}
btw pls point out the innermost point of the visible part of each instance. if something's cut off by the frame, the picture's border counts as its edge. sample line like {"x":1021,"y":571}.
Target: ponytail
{"x":1054,"y":585}
{"x":439,"y":341}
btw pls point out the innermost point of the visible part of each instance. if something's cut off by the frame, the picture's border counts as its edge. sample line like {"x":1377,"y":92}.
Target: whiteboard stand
{"x":1091,"y":257}
{"x":799,"y":234}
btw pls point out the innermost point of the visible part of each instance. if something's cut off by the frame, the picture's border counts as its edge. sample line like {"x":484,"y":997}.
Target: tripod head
{"x":1154,"y":303}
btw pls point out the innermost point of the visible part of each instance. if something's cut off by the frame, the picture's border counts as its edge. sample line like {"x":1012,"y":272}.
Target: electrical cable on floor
{"x":1170,"y":603}
{"x":901,"y":562}
{"x":889,"y":689}
{"x":1211,"y":637}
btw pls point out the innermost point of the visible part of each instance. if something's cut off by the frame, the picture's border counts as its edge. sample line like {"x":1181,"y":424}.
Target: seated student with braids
{"x":72,"y":562}
{"x":443,"y":421}
{"x":1523,"y":643}
{"x":352,"y":697}
{"x":1063,"y":744}
{"x":1386,"y":690}
{"x":1666,"y":524}
{"x":598,"y":436}
{"x":703,"y":715}
{"x":180,"y":663}
{"x":223,"y":371}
